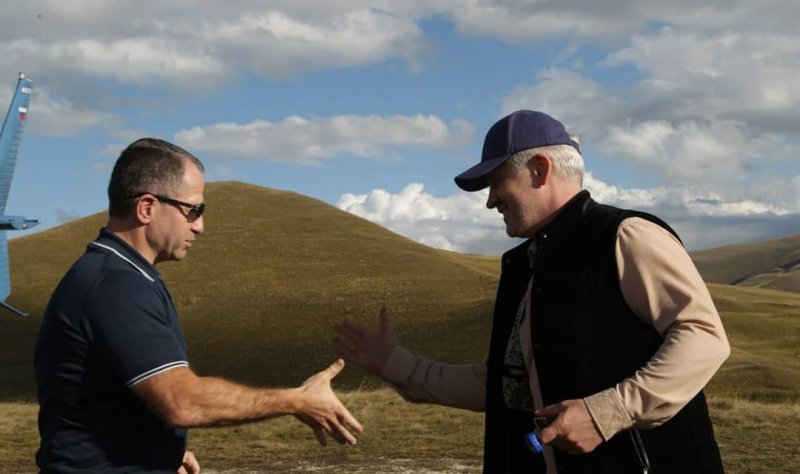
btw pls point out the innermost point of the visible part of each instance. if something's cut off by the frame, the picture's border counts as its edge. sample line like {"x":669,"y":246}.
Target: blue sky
{"x":685,"y":110}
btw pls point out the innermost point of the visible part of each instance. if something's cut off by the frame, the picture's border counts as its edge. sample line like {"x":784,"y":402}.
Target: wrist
{"x":291,"y":401}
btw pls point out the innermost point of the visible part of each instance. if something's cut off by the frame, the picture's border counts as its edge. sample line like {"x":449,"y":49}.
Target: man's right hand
{"x":321,"y":409}
{"x":367,"y":348}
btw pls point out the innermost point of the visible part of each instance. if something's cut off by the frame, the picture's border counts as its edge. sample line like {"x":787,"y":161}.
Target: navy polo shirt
{"x":110,"y":324}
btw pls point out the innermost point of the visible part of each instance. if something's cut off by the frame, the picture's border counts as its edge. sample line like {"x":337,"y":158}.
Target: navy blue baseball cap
{"x":518,"y":131}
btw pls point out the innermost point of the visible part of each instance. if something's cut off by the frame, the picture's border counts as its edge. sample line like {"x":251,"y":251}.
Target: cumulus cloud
{"x":308,"y":140}
{"x":721,"y":151}
{"x":580,"y":102}
{"x":201,"y":44}
{"x":61,"y":118}
{"x":710,"y":109}
{"x":275,"y":43}
{"x":461,"y":222}
{"x":609,"y":21}
{"x":708,"y":218}
{"x":743,"y":76}
{"x":710,"y":57}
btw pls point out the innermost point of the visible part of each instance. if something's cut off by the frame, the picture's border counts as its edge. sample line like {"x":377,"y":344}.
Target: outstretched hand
{"x":321,"y":409}
{"x":365,"y":347}
{"x":573,"y":430}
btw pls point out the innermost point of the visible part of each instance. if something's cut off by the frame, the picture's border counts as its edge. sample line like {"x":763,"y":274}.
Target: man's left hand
{"x":572,"y":430}
{"x":189,"y":465}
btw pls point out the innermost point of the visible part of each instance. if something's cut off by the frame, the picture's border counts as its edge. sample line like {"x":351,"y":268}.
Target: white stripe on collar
{"x":97,"y":244}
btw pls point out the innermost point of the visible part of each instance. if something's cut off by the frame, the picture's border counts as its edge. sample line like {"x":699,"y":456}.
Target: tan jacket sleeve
{"x":421,"y":380}
{"x":662,"y":286}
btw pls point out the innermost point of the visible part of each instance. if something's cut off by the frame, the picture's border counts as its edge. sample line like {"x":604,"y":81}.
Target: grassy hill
{"x":259,"y":294}
{"x":763,"y":327}
{"x":261,"y":290}
{"x":773,"y":264}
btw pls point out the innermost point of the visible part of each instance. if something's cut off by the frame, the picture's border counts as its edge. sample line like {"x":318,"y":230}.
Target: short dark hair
{"x":148,"y":165}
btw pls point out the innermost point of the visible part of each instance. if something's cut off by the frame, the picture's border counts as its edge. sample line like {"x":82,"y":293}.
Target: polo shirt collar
{"x":111,"y":242}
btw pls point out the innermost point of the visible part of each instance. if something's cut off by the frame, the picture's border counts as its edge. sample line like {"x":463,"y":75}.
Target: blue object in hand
{"x":533,"y":442}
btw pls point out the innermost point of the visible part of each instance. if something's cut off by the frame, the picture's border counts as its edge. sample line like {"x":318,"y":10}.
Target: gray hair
{"x":567,"y":161}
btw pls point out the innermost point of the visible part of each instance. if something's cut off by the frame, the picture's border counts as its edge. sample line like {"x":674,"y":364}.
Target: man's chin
{"x":179,"y":255}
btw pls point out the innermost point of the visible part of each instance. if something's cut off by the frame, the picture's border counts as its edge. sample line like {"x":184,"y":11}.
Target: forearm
{"x":422,"y":380}
{"x":216,"y":401}
{"x":186,"y":400}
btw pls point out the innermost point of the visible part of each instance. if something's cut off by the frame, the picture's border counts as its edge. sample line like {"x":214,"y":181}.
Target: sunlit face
{"x":513,"y":194}
{"x":174,"y":228}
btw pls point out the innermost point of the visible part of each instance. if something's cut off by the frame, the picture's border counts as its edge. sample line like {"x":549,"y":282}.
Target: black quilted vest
{"x":585,"y":339}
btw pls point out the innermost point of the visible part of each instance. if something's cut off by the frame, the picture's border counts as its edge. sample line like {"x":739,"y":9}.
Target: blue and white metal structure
{"x":10,"y":136}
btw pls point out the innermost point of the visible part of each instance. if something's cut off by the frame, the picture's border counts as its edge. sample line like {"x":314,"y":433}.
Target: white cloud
{"x":708,"y":218}
{"x":461,"y":222}
{"x":578,"y":101}
{"x":60,"y":118}
{"x":610,"y":21}
{"x":276,"y":44}
{"x":142,"y":61}
{"x":691,"y":201}
{"x":308,"y":140}
{"x":199,"y":44}
{"x":682,"y":122}
{"x":745,"y":76}
{"x":704,"y":152}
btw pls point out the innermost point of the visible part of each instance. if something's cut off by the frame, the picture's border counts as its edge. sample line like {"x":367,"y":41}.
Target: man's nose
{"x":198,"y":227}
{"x":491,"y":201}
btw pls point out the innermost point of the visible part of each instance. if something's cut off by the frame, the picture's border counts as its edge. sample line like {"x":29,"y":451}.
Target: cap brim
{"x":474,"y":179}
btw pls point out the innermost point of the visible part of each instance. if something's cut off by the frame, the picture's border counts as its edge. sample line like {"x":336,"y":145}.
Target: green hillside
{"x":763,"y":327}
{"x":260,"y":292}
{"x":773,"y":264}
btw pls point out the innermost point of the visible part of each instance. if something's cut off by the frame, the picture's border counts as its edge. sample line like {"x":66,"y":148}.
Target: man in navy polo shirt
{"x":115,"y":390}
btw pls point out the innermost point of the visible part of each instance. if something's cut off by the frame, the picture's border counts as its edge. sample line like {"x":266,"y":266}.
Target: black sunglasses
{"x":195,"y":210}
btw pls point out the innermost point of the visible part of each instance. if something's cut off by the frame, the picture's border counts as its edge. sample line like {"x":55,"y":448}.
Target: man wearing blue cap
{"x":602,"y":326}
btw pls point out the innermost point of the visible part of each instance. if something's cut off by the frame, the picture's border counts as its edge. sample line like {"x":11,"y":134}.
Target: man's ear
{"x":145,"y":208}
{"x":540,"y":168}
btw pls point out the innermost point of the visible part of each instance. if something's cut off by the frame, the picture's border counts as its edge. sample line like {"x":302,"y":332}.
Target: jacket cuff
{"x":399,"y":366}
{"x":608,"y":412}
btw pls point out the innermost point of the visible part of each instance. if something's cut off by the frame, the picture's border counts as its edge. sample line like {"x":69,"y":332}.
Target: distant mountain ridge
{"x":773,"y":264}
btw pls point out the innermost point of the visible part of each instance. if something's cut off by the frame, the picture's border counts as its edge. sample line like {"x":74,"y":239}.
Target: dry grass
{"x":763,"y":327}
{"x":755,"y":438}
